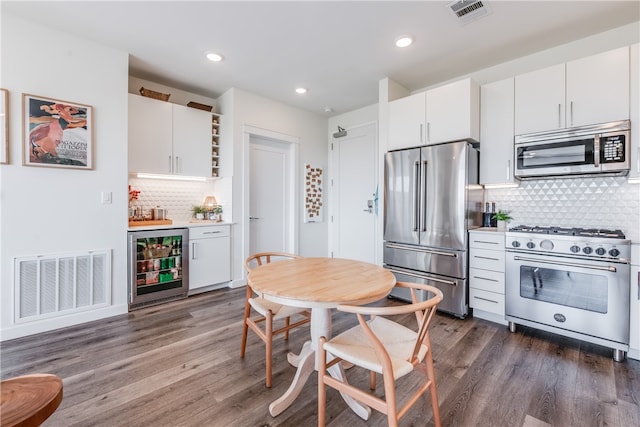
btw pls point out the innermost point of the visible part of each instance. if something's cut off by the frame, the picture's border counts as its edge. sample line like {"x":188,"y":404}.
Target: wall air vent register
{"x":469,"y":10}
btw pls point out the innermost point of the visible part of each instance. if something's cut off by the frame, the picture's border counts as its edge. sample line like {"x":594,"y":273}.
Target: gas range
{"x":589,"y":243}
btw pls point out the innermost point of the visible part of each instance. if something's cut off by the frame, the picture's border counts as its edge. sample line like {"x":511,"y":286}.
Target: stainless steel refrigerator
{"x":432,"y":198}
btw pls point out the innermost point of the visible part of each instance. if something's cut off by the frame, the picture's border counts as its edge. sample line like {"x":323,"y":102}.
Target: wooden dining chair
{"x":268,"y":312}
{"x":385,"y":347}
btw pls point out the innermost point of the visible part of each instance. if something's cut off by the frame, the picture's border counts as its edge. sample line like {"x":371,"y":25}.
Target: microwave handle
{"x":596,"y":150}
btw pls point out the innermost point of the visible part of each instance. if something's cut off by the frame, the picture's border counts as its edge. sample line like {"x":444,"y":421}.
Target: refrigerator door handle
{"x":424,"y":250}
{"x":423,"y":195}
{"x":420,"y":276}
{"x":416,"y":197}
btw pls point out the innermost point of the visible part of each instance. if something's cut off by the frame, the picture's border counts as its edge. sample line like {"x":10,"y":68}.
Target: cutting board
{"x":148,"y":222}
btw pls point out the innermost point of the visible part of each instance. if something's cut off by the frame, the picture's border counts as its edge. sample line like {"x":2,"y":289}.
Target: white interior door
{"x":268,"y":201}
{"x":354,"y":194}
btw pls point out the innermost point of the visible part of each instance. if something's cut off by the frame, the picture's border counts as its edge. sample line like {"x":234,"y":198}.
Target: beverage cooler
{"x":158,"y":266}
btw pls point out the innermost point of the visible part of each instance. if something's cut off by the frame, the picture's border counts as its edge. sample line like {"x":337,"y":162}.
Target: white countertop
{"x":179,"y":224}
{"x":488,"y":230}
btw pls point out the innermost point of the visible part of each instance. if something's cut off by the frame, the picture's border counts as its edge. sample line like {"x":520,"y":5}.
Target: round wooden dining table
{"x":29,"y":400}
{"x":319,"y":284}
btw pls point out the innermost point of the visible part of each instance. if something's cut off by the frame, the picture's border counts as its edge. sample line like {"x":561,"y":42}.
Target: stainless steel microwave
{"x":585,"y":150}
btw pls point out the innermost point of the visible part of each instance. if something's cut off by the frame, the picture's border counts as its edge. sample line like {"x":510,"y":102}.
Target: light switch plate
{"x":106,"y":197}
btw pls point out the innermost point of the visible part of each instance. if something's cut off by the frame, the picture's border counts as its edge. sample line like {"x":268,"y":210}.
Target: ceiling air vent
{"x":469,"y":10}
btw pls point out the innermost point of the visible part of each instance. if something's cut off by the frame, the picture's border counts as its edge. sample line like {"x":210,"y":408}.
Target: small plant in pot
{"x":218,"y":212}
{"x":198,"y":212}
{"x":503,"y":218}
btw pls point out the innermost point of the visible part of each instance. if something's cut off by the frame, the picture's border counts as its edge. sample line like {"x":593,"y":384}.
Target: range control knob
{"x":531,"y":245}
{"x":587,"y":250}
{"x":547,"y":245}
{"x":601,"y":251}
{"x":515,"y":244}
{"x":614,"y":252}
{"x":575,"y":249}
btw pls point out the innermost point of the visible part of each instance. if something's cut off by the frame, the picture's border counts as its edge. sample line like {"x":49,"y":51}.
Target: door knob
{"x":251,"y":218}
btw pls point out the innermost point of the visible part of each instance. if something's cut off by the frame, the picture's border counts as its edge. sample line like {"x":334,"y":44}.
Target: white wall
{"x":242,"y":108}
{"x":46,"y":210}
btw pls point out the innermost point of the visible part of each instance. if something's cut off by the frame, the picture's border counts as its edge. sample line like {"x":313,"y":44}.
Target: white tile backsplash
{"x":598,"y":202}
{"x":176,"y":196}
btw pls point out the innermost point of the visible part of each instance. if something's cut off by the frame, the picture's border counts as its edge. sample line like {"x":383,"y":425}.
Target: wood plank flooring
{"x":177,"y":364}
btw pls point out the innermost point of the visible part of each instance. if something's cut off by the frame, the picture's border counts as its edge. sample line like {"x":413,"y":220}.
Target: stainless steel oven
{"x":573,"y":285}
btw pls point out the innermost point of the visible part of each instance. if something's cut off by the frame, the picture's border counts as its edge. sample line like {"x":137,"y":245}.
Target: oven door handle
{"x":407,"y":273}
{"x":609,"y":268}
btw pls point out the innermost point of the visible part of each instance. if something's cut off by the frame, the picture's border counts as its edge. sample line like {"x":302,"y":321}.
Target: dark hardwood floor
{"x":177,"y":364}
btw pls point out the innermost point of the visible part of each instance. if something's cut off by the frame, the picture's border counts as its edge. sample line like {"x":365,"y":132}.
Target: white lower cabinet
{"x":486,"y":274}
{"x":209,"y":256}
{"x":634,"y":312}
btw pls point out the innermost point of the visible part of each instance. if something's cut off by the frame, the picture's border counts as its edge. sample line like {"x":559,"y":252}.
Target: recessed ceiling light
{"x":404,"y":41}
{"x":301,"y":90}
{"x":214,"y":57}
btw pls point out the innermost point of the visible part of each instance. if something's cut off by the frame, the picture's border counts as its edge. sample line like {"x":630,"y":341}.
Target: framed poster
{"x":4,"y":126}
{"x":57,"y":133}
{"x":313,"y":211}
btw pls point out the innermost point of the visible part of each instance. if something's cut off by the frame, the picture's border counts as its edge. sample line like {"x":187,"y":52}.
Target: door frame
{"x":333,"y":199}
{"x":293,"y":143}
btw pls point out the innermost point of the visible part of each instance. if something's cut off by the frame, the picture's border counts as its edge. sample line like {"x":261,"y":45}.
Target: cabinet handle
{"x":508,"y":170}
{"x":571,"y":113}
{"x":486,"y":257}
{"x":421,"y":130}
{"x":212,"y":232}
{"x":178,"y":168}
{"x":486,"y":241}
{"x":485,"y":278}
{"x":170,"y":164}
{"x":486,"y":299}
{"x":639,"y":286}
{"x":559,"y":115}
{"x":428,"y":131}
{"x":638,"y":165}
{"x":193,"y":250}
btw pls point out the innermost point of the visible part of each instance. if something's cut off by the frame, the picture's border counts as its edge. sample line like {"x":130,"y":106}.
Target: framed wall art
{"x":4,"y":126}
{"x":313,"y":211}
{"x":57,"y":133}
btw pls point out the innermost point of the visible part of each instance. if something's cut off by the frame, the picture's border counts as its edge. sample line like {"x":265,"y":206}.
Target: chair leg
{"x":245,"y":328}
{"x":372,"y":380}
{"x":287,"y":322}
{"x":322,"y":391}
{"x":268,"y":346}
{"x":390,"y":398}
{"x":433,"y":389}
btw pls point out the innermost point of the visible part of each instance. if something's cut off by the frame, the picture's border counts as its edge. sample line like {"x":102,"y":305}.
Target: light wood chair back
{"x":268,"y":312}
{"x":386,"y":347}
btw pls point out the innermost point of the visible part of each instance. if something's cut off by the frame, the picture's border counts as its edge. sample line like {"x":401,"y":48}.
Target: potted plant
{"x":218,"y":211}
{"x":502,"y":217}
{"x":198,"y":211}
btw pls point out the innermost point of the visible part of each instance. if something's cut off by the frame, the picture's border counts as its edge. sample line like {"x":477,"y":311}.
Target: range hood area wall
{"x":599,"y":202}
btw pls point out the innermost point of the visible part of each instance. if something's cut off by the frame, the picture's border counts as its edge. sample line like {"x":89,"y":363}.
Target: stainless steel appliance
{"x":585,"y":150}
{"x":431,"y":199}
{"x":158,"y":266}
{"x":570,"y":281}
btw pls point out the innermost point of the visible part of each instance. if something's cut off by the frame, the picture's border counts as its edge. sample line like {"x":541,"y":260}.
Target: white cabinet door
{"x":150,"y":130}
{"x":540,"y":99}
{"x":634,"y":314}
{"x":209,"y":256}
{"x":635,"y":111}
{"x":406,"y":121}
{"x":453,"y":112}
{"x":191,"y":141}
{"x":496,"y":132}
{"x":598,"y":88}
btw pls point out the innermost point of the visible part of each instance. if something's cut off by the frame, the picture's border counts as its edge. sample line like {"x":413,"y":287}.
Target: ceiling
{"x":339,"y":50}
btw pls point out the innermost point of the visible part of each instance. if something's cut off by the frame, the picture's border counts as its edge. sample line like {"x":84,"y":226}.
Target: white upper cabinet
{"x":447,"y":113}
{"x":635,"y":112}
{"x":539,"y":100}
{"x":407,"y":121}
{"x":586,"y":91}
{"x":453,"y":112}
{"x":191,"y":141}
{"x":496,"y":132}
{"x":150,"y":135}
{"x":167,"y":138}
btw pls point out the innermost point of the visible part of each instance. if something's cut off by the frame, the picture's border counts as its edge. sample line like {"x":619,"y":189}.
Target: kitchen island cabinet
{"x":496,"y":133}
{"x":486,"y":274}
{"x":167,"y":138}
{"x":209,"y":256}
{"x":446,"y":113}
{"x":573,"y":94}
